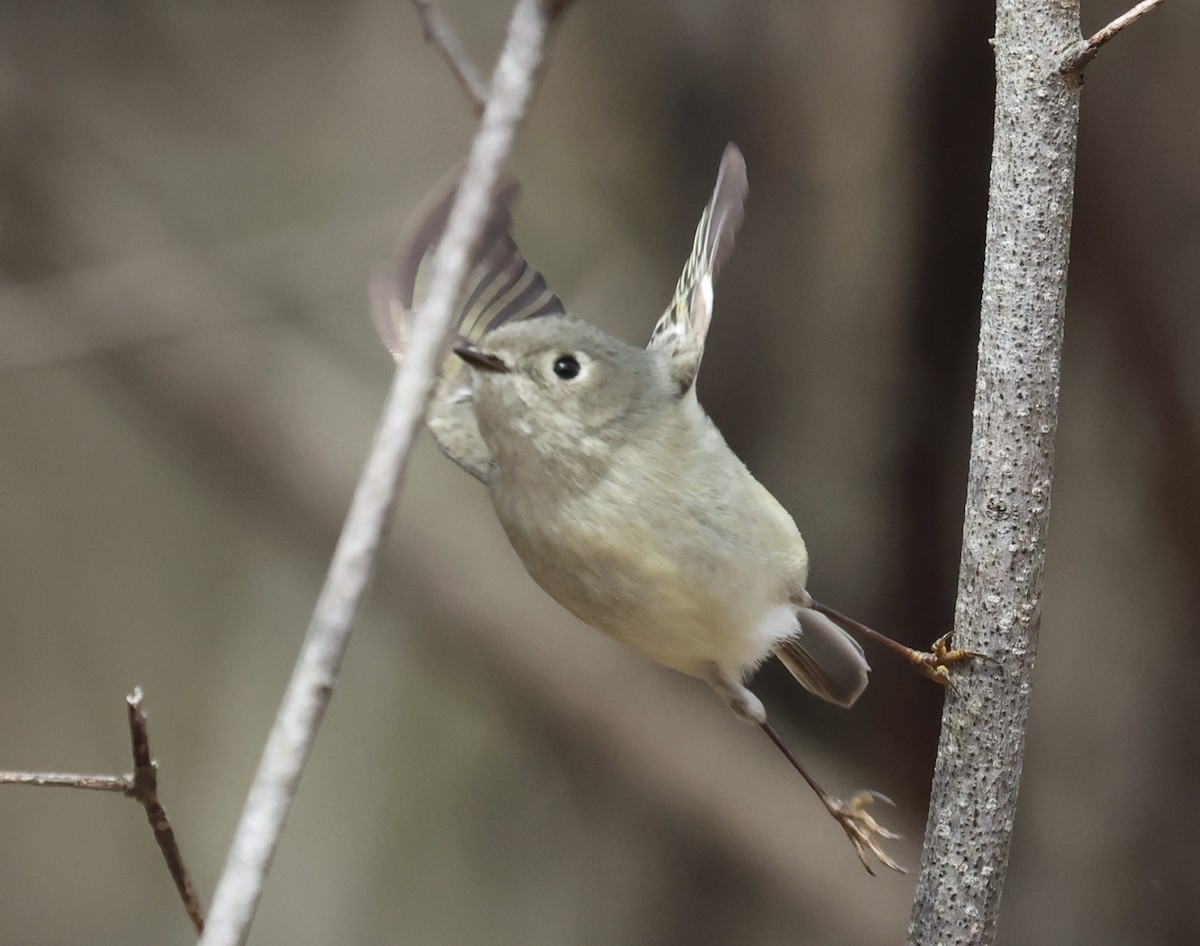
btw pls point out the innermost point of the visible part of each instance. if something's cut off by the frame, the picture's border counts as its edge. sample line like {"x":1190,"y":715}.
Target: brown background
{"x":191,"y":198}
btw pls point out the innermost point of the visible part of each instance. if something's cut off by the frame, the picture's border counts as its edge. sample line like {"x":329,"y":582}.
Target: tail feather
{"x":825,"y":659}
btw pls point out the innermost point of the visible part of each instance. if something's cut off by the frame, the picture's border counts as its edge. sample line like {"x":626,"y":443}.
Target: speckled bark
{"x":1008,"y":491}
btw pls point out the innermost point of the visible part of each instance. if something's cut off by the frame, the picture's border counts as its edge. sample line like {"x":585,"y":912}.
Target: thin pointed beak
{"x":474,"y":356}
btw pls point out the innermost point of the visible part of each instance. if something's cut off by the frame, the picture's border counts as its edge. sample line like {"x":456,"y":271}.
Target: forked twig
{"x":142,"y":785}
{"x":145,"y":790}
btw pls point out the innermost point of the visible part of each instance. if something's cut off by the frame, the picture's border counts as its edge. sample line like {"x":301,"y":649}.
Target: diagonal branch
{"x":438,"y":32}
{"x":1083,"y":52}
{"x":307,"y":697}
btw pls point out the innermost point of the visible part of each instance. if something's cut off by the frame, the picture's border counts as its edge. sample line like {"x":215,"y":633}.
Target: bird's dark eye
{"x":566,"y":367}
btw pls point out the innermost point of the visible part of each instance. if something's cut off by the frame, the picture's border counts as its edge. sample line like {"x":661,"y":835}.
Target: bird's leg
{"x":934,"y":663}
{"x":861,"y":828}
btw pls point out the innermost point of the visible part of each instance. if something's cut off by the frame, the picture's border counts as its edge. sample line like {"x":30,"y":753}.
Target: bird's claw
{"x":862,"y":829}
{"x":936,"y":662}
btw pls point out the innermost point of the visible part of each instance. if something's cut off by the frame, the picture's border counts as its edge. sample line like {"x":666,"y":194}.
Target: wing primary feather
{"x":529,"y":294}
{"x":493,"y":268}
{"x":501,"y":285}
{"x":684,"y":325}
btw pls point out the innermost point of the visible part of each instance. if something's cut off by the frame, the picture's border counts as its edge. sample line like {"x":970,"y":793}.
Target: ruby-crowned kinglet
{"x":616,"y":490}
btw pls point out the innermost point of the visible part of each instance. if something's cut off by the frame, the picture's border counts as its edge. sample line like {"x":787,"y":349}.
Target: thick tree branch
{"x":980,"y":754}
{"x":978,"y":770}
{"x":1084,"y":51}
{"x":303,"y":707}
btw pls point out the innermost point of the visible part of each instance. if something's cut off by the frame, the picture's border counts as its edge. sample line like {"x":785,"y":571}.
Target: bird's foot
{"x":936,"y":662}
{"x":862,"y":829}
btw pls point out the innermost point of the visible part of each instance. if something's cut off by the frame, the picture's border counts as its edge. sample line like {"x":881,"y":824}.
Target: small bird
{"x":617,"y":491}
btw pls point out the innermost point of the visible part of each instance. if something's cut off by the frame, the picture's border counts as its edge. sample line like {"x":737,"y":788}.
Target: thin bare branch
{"x":1124,"y":20}
{"x":1083,"y":52}
{"x":145,"y":790}
{"x":94,"y":783}
{"x":142,"y":785}
{"x":303,"y":707}
{"x":438,"y":32}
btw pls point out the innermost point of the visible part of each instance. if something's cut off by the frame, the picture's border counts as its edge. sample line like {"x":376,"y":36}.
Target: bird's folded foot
{"x":862,"y":829}
{"x":936,"y":662}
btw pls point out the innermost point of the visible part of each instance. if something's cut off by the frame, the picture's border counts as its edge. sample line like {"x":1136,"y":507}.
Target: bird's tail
{"x":825,"y":659}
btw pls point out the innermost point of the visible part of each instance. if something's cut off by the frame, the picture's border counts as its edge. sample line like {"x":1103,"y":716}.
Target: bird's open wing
{"x":500,"y":287}
{"x":683,"y":327}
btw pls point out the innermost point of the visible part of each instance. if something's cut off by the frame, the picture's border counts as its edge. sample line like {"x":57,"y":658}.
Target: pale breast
{"x":687,"y":572}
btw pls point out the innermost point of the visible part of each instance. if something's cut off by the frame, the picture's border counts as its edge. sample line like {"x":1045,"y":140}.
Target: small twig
{"x":438,"y":32}
{"x":311,"y":687}
{"x":95,"y":783}
{"x":145,"y":790}
{"x":1083,"y":52}
{"x":1124,"y":20}
{"x":142,"y":785}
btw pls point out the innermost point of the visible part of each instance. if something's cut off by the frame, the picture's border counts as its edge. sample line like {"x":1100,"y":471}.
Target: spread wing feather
{"x":682,"y":328}
{"x":500,"y":287}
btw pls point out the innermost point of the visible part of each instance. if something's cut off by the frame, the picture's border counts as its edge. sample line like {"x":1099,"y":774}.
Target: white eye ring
{"x":566,"y":367}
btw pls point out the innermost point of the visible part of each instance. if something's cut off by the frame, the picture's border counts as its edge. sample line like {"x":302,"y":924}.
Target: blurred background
{"x":192,"y":196}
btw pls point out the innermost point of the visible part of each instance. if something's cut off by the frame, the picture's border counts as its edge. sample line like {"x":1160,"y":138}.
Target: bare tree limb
{"x":1084,"y":51}
{"x":308,"y":693}
{"x":141,"y":785}
{"x":980,"y":753}
{"x":438,"y":32}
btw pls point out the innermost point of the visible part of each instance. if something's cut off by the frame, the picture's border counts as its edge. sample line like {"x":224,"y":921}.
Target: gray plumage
{"x":616,"y":490}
